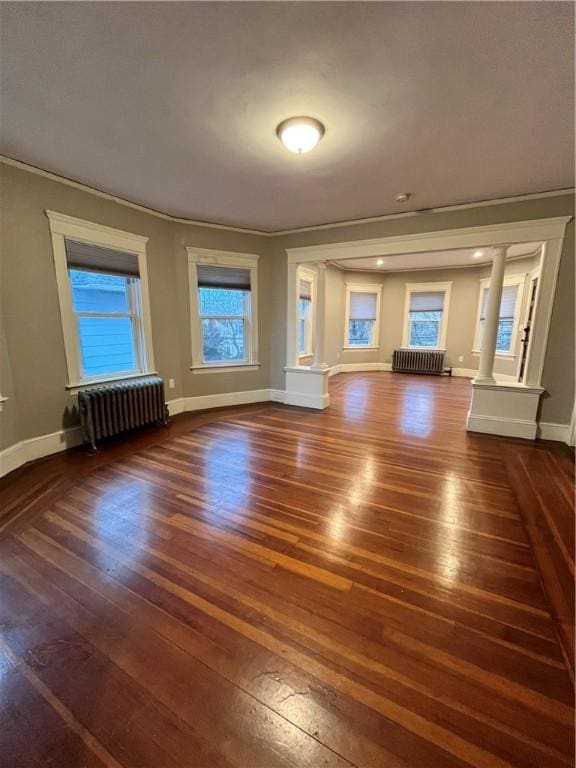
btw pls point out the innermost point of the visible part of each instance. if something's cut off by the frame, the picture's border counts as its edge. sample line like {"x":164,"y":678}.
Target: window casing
{"x":103,"y":294}
{"x":510,"y":306}
{"x":223,"y":304}
{"x":426,"y":315}
{"x":362,"y":319}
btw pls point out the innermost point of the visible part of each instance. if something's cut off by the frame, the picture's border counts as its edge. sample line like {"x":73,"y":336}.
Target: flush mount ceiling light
{"x":300,"y":134}
{"x":478,"y":254}
{"x":380,"y":262}
{"x":402,"y":197}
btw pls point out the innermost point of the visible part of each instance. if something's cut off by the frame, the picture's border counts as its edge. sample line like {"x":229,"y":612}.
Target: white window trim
{"x":222,"y":259}
{"x":520,"y":281}
{"x":311,"y":277}
{"x":62,"y":227}
{"x":363,"y":288}
{"x":410,"y":288}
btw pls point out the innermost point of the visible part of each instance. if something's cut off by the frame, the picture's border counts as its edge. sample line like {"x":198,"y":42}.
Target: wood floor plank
{"x":263,"y":586}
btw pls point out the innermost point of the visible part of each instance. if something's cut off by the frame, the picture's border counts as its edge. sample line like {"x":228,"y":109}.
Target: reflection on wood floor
{"x":267,"y":586}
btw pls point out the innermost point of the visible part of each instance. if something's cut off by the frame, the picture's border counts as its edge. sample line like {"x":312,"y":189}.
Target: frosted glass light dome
{"x":300,"y":134}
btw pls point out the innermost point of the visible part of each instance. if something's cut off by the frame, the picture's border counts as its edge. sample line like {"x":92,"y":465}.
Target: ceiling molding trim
{"x":475,"y":265}
{"x":425,"y":211}
{"x":115,"y":199}
{"x":276,"y":233}
{"x":438,"y":240}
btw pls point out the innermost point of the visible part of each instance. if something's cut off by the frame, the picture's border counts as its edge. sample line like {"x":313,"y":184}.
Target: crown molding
{"x":475,"y":265}
{"x":121,"y":201}
{"x":275,"y":233}
{"x":424,"y":211}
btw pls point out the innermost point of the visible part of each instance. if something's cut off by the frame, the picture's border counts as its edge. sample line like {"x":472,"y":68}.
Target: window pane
{"x":222,"y":339}
{"x":360,"y":332}
{"x":504,"y":337}
{"x":304,"y":306}
{"x":425,"y":329}
{"x":106,"y":345}
{"x":221,"y":302}
{"x":301,"y":335}
{"x":97,"y":292}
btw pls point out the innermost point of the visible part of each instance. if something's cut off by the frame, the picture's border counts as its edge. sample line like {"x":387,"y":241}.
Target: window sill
{"x":360,"y":346}
{"x":75,"y":387}
{"x":227,"y":368}
{"x":509,"y":355}
{"x":424,"y":349}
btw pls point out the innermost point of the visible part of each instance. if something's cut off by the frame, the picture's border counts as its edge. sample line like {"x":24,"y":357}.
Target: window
{"x":222,"y":300}
{"x":102,"y":288}
{"x":224,"y":308}
{"x":106,"y":322}
{"x":362,"y":313}
{"x":508,"y":317}
{"x":426,"y":315}
{"x":305,"y":318}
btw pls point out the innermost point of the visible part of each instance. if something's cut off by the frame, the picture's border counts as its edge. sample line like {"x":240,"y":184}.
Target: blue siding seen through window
{"x":105,"y":328}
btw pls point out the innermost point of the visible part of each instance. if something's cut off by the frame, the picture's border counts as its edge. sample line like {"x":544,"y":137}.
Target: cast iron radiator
{"x":418,"y":361}
{"x":113,"y":408}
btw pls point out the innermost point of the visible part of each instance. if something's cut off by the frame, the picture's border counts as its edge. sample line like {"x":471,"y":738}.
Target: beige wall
{"x":33,"y":367}
{"x":33,"y":360}
{"x":461,"y":316}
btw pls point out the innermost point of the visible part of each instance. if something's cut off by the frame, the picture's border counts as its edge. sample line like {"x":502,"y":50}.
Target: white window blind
{"x":305,"y":288}
{"x":507,"y":304}
{"x":363,"y":305}
{"x":427,"y":301}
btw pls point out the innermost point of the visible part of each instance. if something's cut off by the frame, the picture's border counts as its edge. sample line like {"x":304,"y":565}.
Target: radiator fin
{"x":418,"y":361}
{"x":110,"y":409}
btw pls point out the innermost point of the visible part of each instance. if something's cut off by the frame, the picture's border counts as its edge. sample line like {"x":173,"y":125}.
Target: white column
{"x":490,"y":333}
{"x":320,"y":318}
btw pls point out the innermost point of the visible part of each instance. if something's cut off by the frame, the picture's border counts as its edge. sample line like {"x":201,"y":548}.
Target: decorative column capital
{"x":321,"y":265}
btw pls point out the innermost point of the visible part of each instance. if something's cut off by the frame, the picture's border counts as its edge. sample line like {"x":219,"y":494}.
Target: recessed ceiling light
{"x":402,"y":197}
{"x":380,"y":262}
{"x":478,"y":254}
{"x":300,"y":134}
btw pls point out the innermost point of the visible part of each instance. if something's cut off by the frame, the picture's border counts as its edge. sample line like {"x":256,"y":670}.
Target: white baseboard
{"x":319,"y":402}
{"x":37,"y":447}
{"x":492,"y":425}
{"x":277,"y":395}
{"x":465,"y":373}
{"x":203,"y":402}
{"x":359,"y":367}
{"x":176,"y":406}
{"x":559,"y":432}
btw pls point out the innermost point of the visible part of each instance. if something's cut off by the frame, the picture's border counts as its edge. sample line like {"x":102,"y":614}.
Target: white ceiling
{"x":468,"y":257}
{"x":174,"y":105}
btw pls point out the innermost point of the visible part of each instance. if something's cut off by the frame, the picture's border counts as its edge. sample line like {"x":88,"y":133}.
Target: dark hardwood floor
{"x":267,"y":586}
